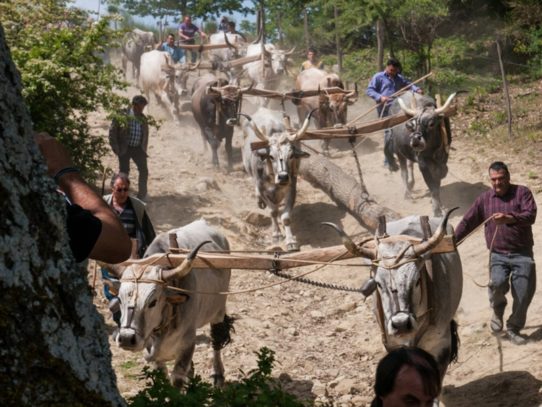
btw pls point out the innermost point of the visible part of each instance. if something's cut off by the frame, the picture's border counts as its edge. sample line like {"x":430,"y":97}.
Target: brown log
{"x":344,"y":190}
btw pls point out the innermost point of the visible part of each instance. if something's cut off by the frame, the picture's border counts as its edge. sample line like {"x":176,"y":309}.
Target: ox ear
{"x":210,"y":90}
{"x":411,"y":125}
{"x":298,"y":153}
{"x":263,"y":153}
{"x":175,"y":297}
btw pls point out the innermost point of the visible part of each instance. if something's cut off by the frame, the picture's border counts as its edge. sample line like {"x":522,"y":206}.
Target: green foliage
{"x":257,"y":388}
{"x":59,"y":52}
{"x":176,"y":9}
{"x":360,"y":65}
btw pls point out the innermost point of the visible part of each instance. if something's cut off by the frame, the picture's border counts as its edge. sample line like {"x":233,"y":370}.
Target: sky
{"x":95,"y":6}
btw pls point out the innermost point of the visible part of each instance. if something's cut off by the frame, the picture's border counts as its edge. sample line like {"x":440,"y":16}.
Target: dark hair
{"x":390,"y":365}
{"x":499,"y":166}
{"x":231,"y":24}
{"x":139,"y":100}
{"x":120,"y":175}
{"x":312,"y":49}
{"x":394,"y":62}
{"x":171,"y":35}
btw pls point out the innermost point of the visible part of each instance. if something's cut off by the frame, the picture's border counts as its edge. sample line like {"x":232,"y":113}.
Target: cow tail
{"x":221,"y":332}
{"x":454,"y":348}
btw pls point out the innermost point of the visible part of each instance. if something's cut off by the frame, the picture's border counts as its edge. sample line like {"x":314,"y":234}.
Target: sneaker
{"x":496,"y":323}
{"x":516,"y":338}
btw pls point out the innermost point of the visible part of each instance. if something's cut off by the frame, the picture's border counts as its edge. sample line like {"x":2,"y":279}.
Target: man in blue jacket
{"x":381,"y":87}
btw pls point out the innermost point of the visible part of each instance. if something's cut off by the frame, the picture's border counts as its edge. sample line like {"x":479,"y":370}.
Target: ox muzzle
{"x":401,"y":323}
{"x":283,"y":178}
{"x":417,"y":142}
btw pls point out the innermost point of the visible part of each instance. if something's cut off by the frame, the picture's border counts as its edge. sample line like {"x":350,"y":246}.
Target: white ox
{"x":165,"y":79}
{"x":266,"y":74}
{"x":274,"y":167}
{"x":414,"y":304}
{"x":161,"y":320}
{"x":134,"y":44}
{"x":227,"y":54}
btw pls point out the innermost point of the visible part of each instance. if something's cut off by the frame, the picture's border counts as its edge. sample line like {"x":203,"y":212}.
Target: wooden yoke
{"x":381,"y":230}
{"x":173,"y":241}
{"x":426,"y":229}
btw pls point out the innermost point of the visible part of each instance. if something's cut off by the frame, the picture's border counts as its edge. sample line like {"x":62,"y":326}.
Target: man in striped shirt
{"x":511,"y":211}
{"x":129,"y":140}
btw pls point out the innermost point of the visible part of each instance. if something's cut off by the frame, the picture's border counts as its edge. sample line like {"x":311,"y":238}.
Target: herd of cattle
{"x":161,"y":309}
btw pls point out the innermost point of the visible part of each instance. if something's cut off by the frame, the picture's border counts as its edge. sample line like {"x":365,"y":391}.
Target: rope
{"x":490,"y":248}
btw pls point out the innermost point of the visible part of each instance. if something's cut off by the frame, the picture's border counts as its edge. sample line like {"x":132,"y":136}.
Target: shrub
{"x":257,"y":388}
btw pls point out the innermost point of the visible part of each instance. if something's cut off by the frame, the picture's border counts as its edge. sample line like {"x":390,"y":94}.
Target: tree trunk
{"x":306,"y":28}
{"x":380,"y":44}
{"x":344,"y":190}
{"x":55,"y":350}
{"x":338,"y":40}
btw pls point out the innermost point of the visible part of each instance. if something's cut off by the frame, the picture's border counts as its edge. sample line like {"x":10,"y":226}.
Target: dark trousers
{"x":140,"y":159}
{"x":516,"y":270}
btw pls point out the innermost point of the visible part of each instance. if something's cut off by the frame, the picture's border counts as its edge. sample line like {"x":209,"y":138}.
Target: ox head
{"x":399,"y":282}
{"x":277,"y":59}
{"x":146,"y":296}
{"x":335,"y":105}
{"x":282,"y":153}
{"x":226,"y":97}
{"x":425,"y":121}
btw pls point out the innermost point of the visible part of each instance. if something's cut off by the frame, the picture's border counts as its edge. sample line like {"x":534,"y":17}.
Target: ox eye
{"x":152,"y":303}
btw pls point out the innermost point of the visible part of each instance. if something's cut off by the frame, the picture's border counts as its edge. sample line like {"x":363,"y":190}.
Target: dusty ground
{"x":327,"y":343}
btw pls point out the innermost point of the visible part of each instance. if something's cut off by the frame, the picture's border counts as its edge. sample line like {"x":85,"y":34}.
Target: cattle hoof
{"x":292,"y":247}
{"x":218,"y":380}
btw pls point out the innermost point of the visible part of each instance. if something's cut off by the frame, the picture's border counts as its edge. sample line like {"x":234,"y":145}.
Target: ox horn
{"x":434,"y":240}
{"x":410,"y":112}
{"x":446,"y":105}
{"x":350,"y":245}
{"x":246,"y":89}
{"x":257,"y":131}
{"x":303,"y":128}
{"x":185,"y":267}
{"x":228,"y":43}
{"x":354,"y":93}
{"x":290,"y":52}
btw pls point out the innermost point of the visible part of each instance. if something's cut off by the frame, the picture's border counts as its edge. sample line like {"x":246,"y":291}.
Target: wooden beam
{"x":267,"y":262}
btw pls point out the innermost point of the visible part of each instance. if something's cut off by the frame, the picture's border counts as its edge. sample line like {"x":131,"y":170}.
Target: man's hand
{"x":55,"y":154}
{"x":503,"y":219}
{"x":384,"y":99}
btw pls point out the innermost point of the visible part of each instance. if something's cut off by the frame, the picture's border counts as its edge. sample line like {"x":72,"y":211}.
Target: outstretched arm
{"x":113,"y":244}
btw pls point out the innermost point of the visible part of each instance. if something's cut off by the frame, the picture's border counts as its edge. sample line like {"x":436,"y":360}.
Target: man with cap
{"x":129,"y":139}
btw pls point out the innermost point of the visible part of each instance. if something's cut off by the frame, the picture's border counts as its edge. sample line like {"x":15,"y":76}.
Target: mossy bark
{"x":53,"y":343}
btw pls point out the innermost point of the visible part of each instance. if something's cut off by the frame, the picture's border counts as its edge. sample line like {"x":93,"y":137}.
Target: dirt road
{"x":327,"y":343}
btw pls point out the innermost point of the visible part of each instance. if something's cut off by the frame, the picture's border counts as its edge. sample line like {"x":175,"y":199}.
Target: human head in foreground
{"x":406,"y":377}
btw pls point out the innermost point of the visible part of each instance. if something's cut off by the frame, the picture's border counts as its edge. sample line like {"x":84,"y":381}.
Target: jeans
{"x":519,"y":271}
{"x":109,"y":295}
{"x":140,"y":159}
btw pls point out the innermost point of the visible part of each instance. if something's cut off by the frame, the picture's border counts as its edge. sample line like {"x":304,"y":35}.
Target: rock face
{"x":53,"y":343}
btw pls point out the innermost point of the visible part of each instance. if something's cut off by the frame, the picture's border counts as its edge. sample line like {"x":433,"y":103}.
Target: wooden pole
{"x":392,"y":96}
{"x":505,"y":89}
